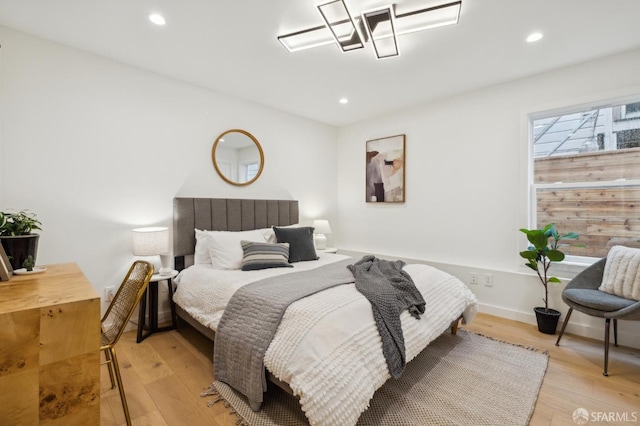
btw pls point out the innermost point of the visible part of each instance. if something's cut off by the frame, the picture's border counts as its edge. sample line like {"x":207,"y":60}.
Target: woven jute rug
{"x":464,"y":379}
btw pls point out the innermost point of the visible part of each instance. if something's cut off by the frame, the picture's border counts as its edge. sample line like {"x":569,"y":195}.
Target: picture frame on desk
{"x":6,"y":271}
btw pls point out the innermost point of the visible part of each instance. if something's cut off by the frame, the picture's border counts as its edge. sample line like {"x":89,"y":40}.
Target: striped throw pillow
{"x":264,"y":255}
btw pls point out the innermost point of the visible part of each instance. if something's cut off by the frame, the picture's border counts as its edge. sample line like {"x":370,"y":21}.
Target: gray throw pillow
{"x":264,"y":255}
{"x":300,"y":241}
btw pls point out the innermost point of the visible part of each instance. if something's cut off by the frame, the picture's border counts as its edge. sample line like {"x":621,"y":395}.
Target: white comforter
{"x":327,"y":346}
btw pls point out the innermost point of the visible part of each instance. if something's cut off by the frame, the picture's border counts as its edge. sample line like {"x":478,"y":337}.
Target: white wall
{"x":466,"y":183}
{"x":97,"y":148}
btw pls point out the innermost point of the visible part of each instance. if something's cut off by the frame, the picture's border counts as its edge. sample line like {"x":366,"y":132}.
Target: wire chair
{"x":119,"y":312}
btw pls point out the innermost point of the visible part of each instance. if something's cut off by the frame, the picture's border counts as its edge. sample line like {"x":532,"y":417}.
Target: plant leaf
{"x":529,"y":254}
{"x":540,"y":241}
{"x":525,"y":230}
{"x":551,"y":231}
{"x":555,"y":255}
{"x":554,"y":280}
{"x":570,"y":236}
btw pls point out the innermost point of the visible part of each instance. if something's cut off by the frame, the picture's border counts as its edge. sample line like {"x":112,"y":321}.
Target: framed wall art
{"x":385,"y":180}
{"x":6,"y":271}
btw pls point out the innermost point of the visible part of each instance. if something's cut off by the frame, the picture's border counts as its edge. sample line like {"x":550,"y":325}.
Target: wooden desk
{"x":50,"y":348}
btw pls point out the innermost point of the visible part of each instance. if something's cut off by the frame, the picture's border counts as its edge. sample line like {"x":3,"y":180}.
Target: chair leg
{"x":615,"y":332}
{"x":109,"y":363}
{"x":607,"y":326}
{"x":564,"y":325}
{"x":116,"y":367}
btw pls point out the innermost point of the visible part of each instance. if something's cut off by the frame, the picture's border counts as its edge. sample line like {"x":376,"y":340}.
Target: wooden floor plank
{"x":154,"y":418}
{"x":146,"y":361}
{"x":138,"y":399}
{"x":196,"y":376}
{"x":163,"y":379}
{"x":188,"y":411}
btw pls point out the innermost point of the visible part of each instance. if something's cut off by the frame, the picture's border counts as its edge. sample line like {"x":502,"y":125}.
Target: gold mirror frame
{"x":215,"y":164}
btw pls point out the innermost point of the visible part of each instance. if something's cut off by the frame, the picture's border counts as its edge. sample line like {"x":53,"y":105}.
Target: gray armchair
{"x":583,"y":295}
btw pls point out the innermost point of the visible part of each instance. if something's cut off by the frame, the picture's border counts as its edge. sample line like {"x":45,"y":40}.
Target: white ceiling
{"x":231,"y":46}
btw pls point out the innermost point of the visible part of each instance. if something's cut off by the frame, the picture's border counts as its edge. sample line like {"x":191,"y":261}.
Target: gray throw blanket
{"x":390,"y":291}
{"x":251,"y":320}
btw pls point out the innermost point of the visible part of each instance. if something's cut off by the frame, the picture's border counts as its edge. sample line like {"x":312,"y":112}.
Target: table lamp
{"x":153,"y":241}
{"x":321,"y":227}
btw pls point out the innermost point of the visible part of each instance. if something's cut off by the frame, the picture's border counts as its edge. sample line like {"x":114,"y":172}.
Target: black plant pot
{"x":547,"y":320}
{"x":19,"y":248}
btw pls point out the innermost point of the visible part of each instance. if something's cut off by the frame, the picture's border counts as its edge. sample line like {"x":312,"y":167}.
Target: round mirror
{"x":237,"y":157}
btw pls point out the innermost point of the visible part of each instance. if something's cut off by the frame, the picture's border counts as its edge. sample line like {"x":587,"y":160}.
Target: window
{"x":249,"y":171}
{"x":631,"y":110}
{"x":586,"y":176}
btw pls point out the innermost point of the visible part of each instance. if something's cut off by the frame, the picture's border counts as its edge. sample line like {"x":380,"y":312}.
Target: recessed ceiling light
{"x":534,"y":37}
{"x":344,"y":101}
{"x":157,"y":19}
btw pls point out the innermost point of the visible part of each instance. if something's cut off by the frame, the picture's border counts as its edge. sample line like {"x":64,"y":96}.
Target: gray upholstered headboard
{"x":224,"y":214}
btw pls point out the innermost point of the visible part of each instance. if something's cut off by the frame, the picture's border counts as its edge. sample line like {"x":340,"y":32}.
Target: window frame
{"x":572,"y":263}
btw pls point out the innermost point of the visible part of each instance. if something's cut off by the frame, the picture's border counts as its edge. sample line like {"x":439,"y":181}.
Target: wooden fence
{"x":601,"y":216}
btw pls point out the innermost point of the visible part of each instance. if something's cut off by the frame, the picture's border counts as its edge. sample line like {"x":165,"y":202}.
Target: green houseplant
{"x":17,"y":238}
{"x":544,"y":249}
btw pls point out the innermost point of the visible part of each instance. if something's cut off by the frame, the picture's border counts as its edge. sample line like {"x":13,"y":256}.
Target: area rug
{"x":463,"y":379}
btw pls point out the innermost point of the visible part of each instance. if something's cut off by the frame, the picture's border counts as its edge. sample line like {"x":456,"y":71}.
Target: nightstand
{"x":152,"y":291}
{"x":328,"y":250}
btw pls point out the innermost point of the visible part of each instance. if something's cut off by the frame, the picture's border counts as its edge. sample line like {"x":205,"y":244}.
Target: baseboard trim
{"x":574,"y":327}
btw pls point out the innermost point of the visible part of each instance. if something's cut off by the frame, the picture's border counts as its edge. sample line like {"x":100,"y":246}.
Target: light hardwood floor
{"x":164,"y":375}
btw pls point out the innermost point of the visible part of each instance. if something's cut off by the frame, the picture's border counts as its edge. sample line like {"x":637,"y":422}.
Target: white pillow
{"x":271,"y":235}
{"x":201,"y":253}
{"x":225,"y":247}
{"x":622,"y":273}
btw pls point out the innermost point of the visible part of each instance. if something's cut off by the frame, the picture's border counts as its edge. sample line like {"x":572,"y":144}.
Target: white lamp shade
{"x":150,"y":241}
{"x":321,"y":226}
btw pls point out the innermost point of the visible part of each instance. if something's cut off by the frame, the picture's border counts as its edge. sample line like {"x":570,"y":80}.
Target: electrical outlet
{"x":109,"y":294}
{"x":474,"y":278}
{"x":488,"y":280}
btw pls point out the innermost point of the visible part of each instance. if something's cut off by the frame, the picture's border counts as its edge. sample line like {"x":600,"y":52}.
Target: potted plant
{"x":17,"y":238}
{"x":543,"y":251}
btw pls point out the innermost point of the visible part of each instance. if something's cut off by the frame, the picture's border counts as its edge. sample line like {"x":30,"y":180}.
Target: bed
{"x":327,"y":349}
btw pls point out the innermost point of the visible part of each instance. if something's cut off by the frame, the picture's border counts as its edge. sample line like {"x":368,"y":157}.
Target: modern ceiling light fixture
{"x":382,"y":31}
{"x":339,"y":21}
{"x":381,"y":26}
